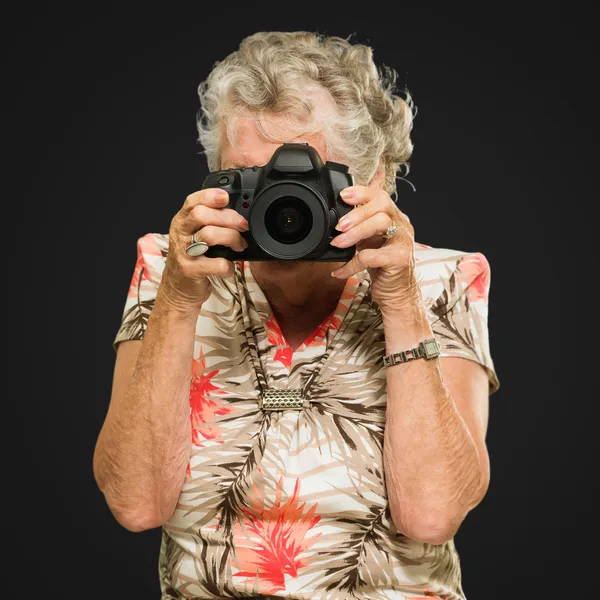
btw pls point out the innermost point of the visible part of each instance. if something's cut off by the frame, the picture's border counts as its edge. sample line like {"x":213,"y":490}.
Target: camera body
{"x":292,"y":205}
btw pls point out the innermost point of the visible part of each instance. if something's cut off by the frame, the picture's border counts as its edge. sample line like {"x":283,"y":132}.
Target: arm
{"x":435,"y":457}
{"x":143,"y":448}
{"x":144,"y":445}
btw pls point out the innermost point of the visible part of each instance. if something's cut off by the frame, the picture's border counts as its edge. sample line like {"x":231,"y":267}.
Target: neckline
{"x":318,"y":337}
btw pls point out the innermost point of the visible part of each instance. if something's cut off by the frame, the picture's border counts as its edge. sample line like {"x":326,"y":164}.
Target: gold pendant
{"x":274,"y":399}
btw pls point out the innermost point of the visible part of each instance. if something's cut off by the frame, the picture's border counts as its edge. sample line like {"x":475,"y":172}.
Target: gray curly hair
{"x":313,"y":83}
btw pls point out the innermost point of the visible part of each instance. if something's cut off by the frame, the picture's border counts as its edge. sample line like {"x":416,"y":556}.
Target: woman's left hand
{"x":391,"y":262}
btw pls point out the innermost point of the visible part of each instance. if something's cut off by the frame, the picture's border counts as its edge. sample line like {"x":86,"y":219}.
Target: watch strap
{"x":427,"y":349}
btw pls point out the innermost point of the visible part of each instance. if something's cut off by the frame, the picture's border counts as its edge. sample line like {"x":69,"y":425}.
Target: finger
{"x":379,"y":202}
{"x":358,"y":194}
{"x":202,"y":215}
{"x":362,"y":194}
{"x":200,"y":266}
{"x":376,"y":225}
{"x":365,"y":259}
{"x":213,"y":197}
{"x":222,"y":236}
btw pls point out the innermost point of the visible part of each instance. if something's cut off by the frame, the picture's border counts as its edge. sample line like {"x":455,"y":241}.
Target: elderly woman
{"x":356,"y":488}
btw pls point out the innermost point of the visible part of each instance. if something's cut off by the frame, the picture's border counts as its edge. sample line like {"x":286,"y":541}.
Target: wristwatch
{"x":427,"y":349}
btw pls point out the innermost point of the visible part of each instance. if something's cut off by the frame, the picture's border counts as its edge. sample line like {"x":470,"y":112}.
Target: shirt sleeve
{"x":147,"y":273}
{"x":459,"y":316}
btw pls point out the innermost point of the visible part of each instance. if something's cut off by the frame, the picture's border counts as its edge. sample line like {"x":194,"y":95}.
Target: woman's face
{"x":253,"y":149}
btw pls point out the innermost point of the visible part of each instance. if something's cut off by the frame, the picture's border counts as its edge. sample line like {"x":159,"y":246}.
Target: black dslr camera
{"x":292,"y":205}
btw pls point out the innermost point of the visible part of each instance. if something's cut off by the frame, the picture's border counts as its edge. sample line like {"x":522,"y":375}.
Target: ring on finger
{"x":196,"y":248}
{"x":390,"y":232}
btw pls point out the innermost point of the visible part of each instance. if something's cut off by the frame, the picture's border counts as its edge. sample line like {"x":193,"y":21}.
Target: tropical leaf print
{"x":135,"y":320}
{"x":236,"y":477}
{"x":210,"y":580}
{"x":139,"y":274}
{"x":293,"y":504}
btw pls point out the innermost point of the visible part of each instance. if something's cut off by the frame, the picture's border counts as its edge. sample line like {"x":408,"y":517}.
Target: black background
{"x":101,"y":133}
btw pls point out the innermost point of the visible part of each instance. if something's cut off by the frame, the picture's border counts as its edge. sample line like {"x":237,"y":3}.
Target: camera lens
{"x":288,"y":220}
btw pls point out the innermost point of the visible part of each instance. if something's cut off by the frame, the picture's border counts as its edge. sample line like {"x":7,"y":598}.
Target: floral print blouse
{"x":292,"y":503}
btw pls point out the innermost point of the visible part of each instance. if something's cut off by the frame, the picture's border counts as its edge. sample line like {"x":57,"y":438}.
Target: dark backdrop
{"x":102,"y":105}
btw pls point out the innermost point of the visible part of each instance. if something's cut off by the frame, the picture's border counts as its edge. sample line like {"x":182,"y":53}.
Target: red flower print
{"x":138,"y":271}
{"x":346,"y":297}
{"x":148,"y":246}
{"x":476,"y":272}
{"x":267,"y":548}
{"x":349,"y":289}
{"x":318,"y":336}
{"x":203,"y":409}
{"x":335,"y":323}
{"x":284,"y":356}
{"x":275,"y":337}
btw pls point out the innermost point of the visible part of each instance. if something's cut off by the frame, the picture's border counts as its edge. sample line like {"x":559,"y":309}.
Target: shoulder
{"x":446,"y":269}
{"x":154,"y":244}
{"x":152,"y":253}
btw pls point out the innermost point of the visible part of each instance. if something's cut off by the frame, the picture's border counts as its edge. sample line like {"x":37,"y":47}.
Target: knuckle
{"x":221,"y":266}
{"x":190,"y":200}
{"x":399,"y":215}
{"x":233,"y":219}
{"x":382,"y":197}
{"x":186,"y":266}
{"x":199,"y":213}
{"x":206,"y":234}
{"x":359,"y":211}
{"x":383,"y":220}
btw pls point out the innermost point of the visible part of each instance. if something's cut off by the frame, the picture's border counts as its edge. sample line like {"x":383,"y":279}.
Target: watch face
{"x":431,"y":348}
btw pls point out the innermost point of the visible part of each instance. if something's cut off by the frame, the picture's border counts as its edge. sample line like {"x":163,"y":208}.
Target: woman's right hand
{"x":185,"y":285}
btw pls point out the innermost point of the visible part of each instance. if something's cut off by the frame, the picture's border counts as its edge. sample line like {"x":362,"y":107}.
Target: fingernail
{"x":347,"y":194}
{"x":344,"y":223}
{"x":244,"y":224}
{"x":221,"y":194}
{"x":339,"y":240}
{"x":222,"y":199}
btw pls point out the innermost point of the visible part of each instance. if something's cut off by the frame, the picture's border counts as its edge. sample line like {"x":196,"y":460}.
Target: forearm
{"x":144,"y":445}
{"x":432,"y":464}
